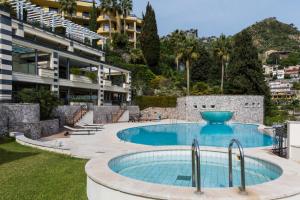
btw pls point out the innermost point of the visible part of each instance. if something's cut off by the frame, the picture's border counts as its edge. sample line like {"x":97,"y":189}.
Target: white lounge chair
{"x":97,"y":128}
{"x":81,"y":130}
{"x":86,"y":124}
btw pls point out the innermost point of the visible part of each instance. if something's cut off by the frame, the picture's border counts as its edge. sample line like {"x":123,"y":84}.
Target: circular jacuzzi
{"x":173,"y":167}
{"x":214,"y":135}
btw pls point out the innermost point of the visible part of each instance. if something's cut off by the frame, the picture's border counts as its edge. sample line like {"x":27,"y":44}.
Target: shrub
{"x":92,"y":76}
{"x":47,"y":100}
{"x":155,"y":101}
{"x":76,"y":71}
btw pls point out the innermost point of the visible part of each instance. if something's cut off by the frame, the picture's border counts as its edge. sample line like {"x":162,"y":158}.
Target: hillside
{"x":271,"y":34}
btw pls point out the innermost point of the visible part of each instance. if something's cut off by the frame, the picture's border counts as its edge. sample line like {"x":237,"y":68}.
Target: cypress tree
{"x":150,"y":43}
{"x":93,"y":18}
{"x":245,"y":75}
{"x":202,"y":66}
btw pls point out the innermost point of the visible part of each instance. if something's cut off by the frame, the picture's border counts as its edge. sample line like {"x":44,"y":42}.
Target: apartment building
{"x":281,"y":89}
{"x":81,"y":17}
{"x":34,"y":56}
{"x":107,"y":22}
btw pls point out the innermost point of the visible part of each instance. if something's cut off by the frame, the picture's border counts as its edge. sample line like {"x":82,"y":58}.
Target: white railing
{"x":49,"y":73}
{"x":78,"y":78}
{"x":107,"y":83}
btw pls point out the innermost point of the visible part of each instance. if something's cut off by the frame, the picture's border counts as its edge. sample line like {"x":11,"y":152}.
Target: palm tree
{"x":68,"y":7}
{"x":189,"y":52}
{"x":126,"y":8}
{"x":111,"y":6}
{"x":222,"y":50}
{"x":177,"y":39}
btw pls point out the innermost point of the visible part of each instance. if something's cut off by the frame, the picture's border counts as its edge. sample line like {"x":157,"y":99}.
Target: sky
{"x":214,"y":17}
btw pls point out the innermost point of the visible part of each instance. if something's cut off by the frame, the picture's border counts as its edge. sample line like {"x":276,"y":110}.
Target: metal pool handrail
{"x":196,"y":170}
{"x":242,"y":159}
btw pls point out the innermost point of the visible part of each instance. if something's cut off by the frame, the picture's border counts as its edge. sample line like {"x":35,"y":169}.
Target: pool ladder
{"x":242,"y":161}
{"x":196,"y":170}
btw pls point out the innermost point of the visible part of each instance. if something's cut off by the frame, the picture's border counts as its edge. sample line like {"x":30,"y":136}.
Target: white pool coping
{"x":285,"y":186}
{"x":105,"y":145}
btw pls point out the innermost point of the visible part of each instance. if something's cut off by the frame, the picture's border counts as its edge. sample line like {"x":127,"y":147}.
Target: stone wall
{"x":64,"y":113}
{"x":133,"y":110}
{"x":49,"y":127}
{"x":25,"y":118}
{"x":20,"y":117}
{"x":247,"y":109}
{"x":154,"y":112}
{"x":103,"y":114}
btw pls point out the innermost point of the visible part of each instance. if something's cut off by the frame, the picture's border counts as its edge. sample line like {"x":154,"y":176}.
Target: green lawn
{"x":28,"y":173}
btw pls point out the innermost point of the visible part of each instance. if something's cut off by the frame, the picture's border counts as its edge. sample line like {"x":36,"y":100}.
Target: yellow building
{"x":132,"y":25}
{"x":82,"y":15}
{"x":109,"y":23}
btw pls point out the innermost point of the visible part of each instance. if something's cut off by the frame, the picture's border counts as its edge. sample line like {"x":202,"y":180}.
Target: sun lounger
{"x":97,"y":128}
{"x":80,"y":130}
{"x":86,"y":124}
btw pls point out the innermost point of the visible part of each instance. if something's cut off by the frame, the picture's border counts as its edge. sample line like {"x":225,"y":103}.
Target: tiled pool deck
{"x":105,"y":145}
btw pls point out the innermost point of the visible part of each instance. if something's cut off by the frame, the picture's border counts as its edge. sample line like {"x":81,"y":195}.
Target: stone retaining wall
{"x":25,"y":118}
{"x":19,"y":117}
{"x":133,"y":110}
{"x":49,"y":127}
{"x":64,"y":113}
{"x":103,"y":114}
{"x":246,"y":108}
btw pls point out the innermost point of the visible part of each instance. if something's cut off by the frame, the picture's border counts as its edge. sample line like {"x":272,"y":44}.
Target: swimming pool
{"x":173,"y":167}
{"x":216,"y":135}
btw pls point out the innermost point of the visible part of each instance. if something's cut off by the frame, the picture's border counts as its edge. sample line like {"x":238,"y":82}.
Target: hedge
{"x":155,"y":101}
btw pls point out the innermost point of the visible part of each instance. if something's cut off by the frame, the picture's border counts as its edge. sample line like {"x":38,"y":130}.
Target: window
{"x":55,"y":10}
{"x":86,"y":14}
{"x":246,"y":104}
{"x":195,"y":106}
{"x":203,"y":106}
{"x":212,"y":106}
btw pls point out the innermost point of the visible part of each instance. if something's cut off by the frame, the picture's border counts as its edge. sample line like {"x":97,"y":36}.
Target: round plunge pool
{"x":173,"y":167}
{"x":216,"y":135}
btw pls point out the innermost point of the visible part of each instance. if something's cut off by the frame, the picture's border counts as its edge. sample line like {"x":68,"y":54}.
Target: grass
{"x":31,"y":174}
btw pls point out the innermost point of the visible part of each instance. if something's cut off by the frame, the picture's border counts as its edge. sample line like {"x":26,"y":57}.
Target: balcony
{"x":48,"y":73}
{"x":102,"y":18}
{"x":126,"y":86}
{"x":81,"y":79}
{"x":107,"y":83}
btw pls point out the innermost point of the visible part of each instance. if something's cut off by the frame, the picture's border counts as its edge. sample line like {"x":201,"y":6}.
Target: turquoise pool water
{"x":218,"y":117}
{"x":217,"y":135}
{"x":173,"y":167}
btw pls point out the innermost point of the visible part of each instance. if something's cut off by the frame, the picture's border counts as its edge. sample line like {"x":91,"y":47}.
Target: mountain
{"x":271,"y":34}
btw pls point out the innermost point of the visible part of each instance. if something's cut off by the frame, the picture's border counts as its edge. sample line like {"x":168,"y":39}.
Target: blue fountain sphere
{"x":217,"y":117}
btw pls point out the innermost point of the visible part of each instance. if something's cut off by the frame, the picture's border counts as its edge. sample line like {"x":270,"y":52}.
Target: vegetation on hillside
{"x":271,"y":34}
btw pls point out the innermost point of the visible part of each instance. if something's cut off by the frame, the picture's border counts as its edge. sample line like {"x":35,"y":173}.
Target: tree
{"x":120,"y":41}
{"x":46,"y":99}
{"x":189,"y":53}
{"x":201,"y":67}
{"x":245,"y":75}
{"x":68,"y":7}
{"x":295,"y":104}
{"x":126,"y":8}
{"x":177,"y":39}
{"x":150,"y":43}
{"x":93,"y":18}
{"x":110,"y":6}
{"x":221,"y":50}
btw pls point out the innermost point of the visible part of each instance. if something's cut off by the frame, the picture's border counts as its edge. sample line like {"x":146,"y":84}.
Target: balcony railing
{"x":79,"y":78}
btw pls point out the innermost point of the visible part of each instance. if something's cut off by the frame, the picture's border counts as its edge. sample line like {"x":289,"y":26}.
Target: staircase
{"x":118,"y":115}
{"x":78,"y":115}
